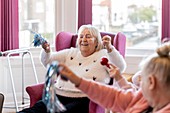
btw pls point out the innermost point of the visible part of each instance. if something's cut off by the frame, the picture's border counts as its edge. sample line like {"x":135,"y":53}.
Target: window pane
{"x":37,"y":16}
{"x":139,"y":20}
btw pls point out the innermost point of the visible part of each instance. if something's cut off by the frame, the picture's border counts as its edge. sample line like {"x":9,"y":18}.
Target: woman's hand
{"x":107,"y":43}
{"x":115,"y":72}
{"x":46,"y":47}
{"x":67,"y":73}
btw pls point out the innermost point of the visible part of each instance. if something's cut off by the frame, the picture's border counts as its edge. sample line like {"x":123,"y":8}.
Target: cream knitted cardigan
{"x":86,"y":67}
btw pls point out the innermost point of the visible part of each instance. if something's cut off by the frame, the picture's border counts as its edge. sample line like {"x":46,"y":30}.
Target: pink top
{"x":124,"y":101}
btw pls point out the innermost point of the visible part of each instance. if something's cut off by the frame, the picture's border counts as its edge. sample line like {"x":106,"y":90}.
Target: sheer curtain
{"x":165,"y":19}
{"x":9,"y":27}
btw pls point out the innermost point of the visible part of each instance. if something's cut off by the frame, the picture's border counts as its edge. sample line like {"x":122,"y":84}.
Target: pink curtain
{"x":84,"y":12}
{"x":9,"y":27}
{"x":0,"y":24}
{"x":165,"y":19}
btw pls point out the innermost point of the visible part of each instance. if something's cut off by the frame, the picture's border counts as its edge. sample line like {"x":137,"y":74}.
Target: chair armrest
{"x":35,"y":93}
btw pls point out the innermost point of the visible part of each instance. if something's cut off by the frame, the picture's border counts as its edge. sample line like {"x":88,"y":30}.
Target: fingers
{"x":69,"y":75}
{"x":46,"y":47}
{"x":107,"y":43}
{"x":112,"y":66}
{"x":114,"y":72}
{"x":107,"y":38}
{"x":64,"y":70}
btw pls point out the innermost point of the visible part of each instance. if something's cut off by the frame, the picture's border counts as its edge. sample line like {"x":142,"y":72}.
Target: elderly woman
{"x":154,"y":95}
{"x":84,"y":60}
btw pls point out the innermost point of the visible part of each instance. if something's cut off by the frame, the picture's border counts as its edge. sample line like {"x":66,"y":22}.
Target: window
{"x":139,"y":20}
{"x":37,"y":16}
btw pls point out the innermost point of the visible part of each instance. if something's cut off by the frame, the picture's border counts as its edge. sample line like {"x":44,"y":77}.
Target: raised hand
{"x":40,"y":40}
{"x":107,"y":43}
{"x":115,"y":72}
{"x":104,"y":61}
{"x":46,"y":47}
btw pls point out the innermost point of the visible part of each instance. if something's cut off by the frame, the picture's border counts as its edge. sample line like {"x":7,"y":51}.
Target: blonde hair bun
{"x":164,"y":50}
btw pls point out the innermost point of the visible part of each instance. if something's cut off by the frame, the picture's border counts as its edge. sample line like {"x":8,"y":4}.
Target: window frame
{"x":133,"y":51}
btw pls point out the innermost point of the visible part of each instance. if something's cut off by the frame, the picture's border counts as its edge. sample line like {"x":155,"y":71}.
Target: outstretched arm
{"x":47,"y":56}
{"x":108,"y":97}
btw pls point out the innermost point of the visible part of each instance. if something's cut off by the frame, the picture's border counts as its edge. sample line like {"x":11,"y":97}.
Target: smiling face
{"x":87,"y":43}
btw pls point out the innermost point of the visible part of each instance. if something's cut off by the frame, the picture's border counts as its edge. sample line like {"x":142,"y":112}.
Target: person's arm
{"x":107,"y":43}
{"x":47,"y":56}
{"x":117,"y":59}
{"x":120,"y":80}
{"x":108,"y":97}
{"x":114,"y":56}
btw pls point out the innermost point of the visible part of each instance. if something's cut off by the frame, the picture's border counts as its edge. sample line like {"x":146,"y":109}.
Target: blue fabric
{"x":38,"y":40}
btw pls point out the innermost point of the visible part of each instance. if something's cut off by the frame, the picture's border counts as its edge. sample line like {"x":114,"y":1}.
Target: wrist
{"x":109,"y":49}
{"x":47,"y":50}
{"x":118,"y":77}
{"x":77,"y":83}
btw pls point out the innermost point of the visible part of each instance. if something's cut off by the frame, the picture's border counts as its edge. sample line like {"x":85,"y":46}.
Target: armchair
{"x":66,"y":40}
